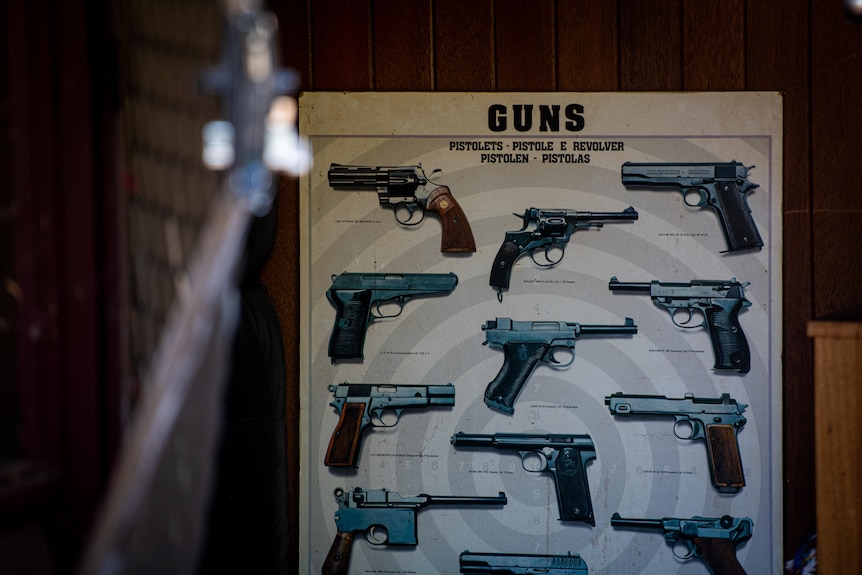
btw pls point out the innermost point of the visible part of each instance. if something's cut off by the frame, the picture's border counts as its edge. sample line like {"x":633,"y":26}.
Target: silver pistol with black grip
{"x":722,"y":186}
{"x":712,"y":539}
{"x":717,"y":421}
{"x":526,"y":343}
{"x":550,"y":230}
{"x":361,"y":406}
{"x":521,"y":564}
{"x":405,"y":189}
{"x":386,"y":518}
{"x":720,"y":302}
{"x":357,"y":298}
{"x":563,"y":456}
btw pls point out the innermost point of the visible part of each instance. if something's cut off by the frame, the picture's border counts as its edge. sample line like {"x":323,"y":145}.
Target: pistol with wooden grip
{"x":549,"y":230}
{"x":712,"y":539}
{"x":722,"y":186}
{"x":715,"y":420}
{"x":526,"y":343}
{"x":405,"y":190}
{"x":361,"y":406}
{"x":386,"y":518}
{"x":720,"y":302}
{"x":358,"y":298}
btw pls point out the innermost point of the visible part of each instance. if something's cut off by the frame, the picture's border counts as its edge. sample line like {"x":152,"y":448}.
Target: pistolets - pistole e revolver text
{"x":526,"y":343}
{"x":357,"y":298}
{"x":362,"y":405}
{"x":548,"y":229}
{"x":563,"y":456}
{"x":723,"y":186}
{"x":715,"y":420}
{"x":386,"y":518}
{"x":404,"y":190}
{"x":712,"y":539}
{"x":518,"y":564}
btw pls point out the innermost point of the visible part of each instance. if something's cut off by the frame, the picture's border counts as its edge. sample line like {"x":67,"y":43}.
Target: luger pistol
{"x":549,"y":230}
{"x":363,"y":405}
{"x":386,"y":518}
{"x":357,"y":298}
{"x":526,"y":343}
{"x":712,"y":539}
{"x":517,"y":564}
{"x":722,"y":186}
{"x":404,"y":190}
{"x":717,"y":421}
{"x":720,"y":302}
{"x":565,"y":457}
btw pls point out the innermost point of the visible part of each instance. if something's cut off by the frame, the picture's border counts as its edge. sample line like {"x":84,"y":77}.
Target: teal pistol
{"x":715,"y":420}
{"x":357,"y":298}
{"x":386,"y":518}
{"x":712,"y":539}
{"x":526,"y":343}
{"x":514,"y":564}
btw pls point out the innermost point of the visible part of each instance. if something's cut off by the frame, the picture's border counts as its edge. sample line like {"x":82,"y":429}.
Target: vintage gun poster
{"x":573,"y":359}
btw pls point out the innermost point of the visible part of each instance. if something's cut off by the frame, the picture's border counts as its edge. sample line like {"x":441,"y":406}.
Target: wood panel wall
{"x":807,"y":50}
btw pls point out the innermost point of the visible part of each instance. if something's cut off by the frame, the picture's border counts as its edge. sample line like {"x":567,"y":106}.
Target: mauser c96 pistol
{"x":362,"y":405}
{"x":406,"y":189}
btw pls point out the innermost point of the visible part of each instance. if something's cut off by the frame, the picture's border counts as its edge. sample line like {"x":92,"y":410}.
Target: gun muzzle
{"x":617,"y":521}
{"x":499,"y":499}
{"x":462,"y":439}
{"x":617,"y":285}
{"x":441,"y":394}
{"x":628,"y":214}
{"x":629,"y":328}
{"x":394,"y":179}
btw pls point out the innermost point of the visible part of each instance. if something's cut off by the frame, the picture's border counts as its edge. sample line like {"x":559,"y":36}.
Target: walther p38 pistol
{"x":563,"y":456}
{"x":386,"y":518}
{"x":720,"y":302}
{"x":357,"y":298}
{"x":549,"y":230}
{"x":715,"y":420}
{"x":405,"y":189}
{"x":362,"y":405}
{"x":722,"y":186}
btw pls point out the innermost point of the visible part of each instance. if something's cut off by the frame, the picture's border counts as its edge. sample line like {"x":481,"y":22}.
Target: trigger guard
{"x":703,"y":198}
{"x":685,"y":324}
{"x":683,"y":544}
{"x":552,"y":360}
{"x":377,"y":535}
{"x":548,"y":263}
{"x":375,"y":307}
{"x":696,"y":431}
{"x":411,"y":209}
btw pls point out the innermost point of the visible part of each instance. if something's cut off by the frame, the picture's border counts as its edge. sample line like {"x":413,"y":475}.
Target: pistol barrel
{"x":393,"y":179}
{"x":628,"y":214}
{"x":617,"y":521}
{"x":629,"y":328}
{"x":617,"y":285}
{"x":499,"y":499}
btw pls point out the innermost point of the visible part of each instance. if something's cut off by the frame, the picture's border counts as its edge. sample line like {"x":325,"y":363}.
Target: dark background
{"x":76,"y":98}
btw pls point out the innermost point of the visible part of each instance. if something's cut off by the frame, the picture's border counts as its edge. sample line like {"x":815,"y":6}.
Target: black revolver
{"x":563,"y":456}
{"x":357,"y":298}
{"x":549,"y":230}
{"x":723,"y":186}
{"x":720,"y":302}
{"x":526,"y":343}
{"x":406,"y":189}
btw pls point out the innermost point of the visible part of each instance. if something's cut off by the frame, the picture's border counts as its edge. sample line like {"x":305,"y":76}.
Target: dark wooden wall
{"x":807,"y":50}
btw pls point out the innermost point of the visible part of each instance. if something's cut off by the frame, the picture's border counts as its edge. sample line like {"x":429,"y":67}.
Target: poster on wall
{"x":541,"y":330}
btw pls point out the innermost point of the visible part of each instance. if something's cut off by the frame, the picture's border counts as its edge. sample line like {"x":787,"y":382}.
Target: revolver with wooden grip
{"x":712,"y":539}
{"x":386,"y":518}
{"x":715,"y":420}
{"x":361,"y":406}
{"x":404,"y":190}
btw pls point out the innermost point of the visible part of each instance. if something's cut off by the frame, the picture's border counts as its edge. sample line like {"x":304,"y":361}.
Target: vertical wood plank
{"x":650,"y":45}
{"x":293,"y":26}
{"x":464,"y":45}
{"x":587,"y":45}
{"x":341,"y":42}
{"x":403,"y":49}
{"x":713,"y":45}
{"x":776,"y":59}
{"x":525,"y":45}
